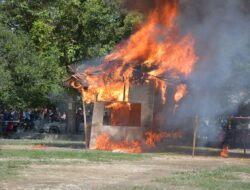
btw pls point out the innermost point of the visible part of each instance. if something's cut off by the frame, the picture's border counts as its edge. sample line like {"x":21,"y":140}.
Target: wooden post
{"x":194,"y":137}
{"x":244,"y":141}
{"x":85,"y":122}
{"x":96,"y":97}
{"x":124,"y":89}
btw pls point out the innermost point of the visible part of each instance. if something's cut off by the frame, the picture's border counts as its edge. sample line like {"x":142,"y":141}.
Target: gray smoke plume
{"x":219,"y":83}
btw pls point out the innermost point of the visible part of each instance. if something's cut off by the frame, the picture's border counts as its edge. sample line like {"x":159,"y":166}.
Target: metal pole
{"x":85,"y":122}
{"x":194,"y":137}
{"x":124,"y":90}
{"x":244,"y":141}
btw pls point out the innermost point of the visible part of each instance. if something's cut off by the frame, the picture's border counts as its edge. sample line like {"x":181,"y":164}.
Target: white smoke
{"x":222,"y":33}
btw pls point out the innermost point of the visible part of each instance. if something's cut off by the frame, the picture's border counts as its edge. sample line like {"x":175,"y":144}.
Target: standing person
{"x":57,"y":115}
{"x":15,"y":115}
{"x":50,"y":115}
{"x":26,"y":119}
{"x":42,"y":114}
{"x":46,"y":115}
{"x":89,"y":116}
{"x":9,"y":116}
{"x":1,"y":124}
{"x":5,"y":115}
{"x":79,"y":119}
{"x":36,"y":114}
{"x":63,"y":116}
{"x":6,"y":118}
{"x":27,"y":115}
{"x":43,"y":117}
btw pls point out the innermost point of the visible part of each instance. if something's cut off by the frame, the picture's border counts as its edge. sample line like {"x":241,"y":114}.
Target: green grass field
{"x":18,"y":155}
{"x":76,"y":154}
{"x":224,"y":178}
{"x":228,"y":178}
{"x":12,"y":160}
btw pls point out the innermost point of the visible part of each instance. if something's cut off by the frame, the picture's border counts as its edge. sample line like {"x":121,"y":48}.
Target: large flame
{"x":104,"y":142}
{"x":157,"y":50}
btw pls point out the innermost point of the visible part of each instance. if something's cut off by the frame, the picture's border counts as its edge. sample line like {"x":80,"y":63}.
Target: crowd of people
{"x":10,"y":120}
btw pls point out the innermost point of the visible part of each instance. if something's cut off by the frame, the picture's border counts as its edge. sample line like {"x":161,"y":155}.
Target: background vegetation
{"x":38,"y":39}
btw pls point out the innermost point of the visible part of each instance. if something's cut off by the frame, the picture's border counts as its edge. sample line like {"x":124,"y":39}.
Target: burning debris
{"x":224,"y":152}
{"x":129,"y":87}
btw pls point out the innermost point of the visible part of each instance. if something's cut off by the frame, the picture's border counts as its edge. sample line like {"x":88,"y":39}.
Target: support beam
{"x":196,"y":123}
{"x":86,"y":131}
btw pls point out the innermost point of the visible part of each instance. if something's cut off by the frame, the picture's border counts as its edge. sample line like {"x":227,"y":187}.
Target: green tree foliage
{"x":27,"y":77}
{"x":79,"y":29}
{"x":39,"y":38}
{"x":5,"y":84}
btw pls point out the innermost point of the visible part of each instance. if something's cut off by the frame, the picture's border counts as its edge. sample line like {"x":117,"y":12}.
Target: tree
{"x":39,"y":39}
{"x":5,"y":84}
{"x":79,"y":29}
{"x":28,"y":76}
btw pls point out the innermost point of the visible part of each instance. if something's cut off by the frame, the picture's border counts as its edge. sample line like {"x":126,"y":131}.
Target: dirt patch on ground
{"x":76,"y":174}
{"x":243,"y":176}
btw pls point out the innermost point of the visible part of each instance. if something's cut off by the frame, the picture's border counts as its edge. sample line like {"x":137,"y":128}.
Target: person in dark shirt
{"x":6,"y":116}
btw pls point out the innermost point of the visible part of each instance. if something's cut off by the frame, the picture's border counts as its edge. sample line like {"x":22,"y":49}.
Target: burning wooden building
{"x":132,"y":84}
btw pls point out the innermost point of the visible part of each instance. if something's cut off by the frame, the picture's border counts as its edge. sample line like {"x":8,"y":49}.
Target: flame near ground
{"x":104,"y":142}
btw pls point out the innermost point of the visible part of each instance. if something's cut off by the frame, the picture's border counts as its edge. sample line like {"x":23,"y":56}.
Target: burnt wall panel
{"x":116,"y":133}
{"x":122,"y":114}
{"x":144,"y":94}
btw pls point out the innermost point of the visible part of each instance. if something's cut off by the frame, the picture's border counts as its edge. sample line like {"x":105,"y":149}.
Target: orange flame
{"x":157,"y":49}
{"x":181,"y":91}
{"x":158,"y":45}
{"x":224,"y":152}
{"x":104,"y":142}
{"x":119,"y":105}
{"x":154,"y":137}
